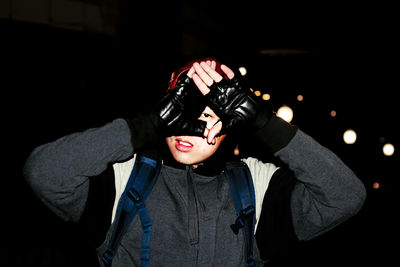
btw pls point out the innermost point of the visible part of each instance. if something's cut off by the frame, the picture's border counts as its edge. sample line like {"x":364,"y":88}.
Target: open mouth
{"x":182,"y":145}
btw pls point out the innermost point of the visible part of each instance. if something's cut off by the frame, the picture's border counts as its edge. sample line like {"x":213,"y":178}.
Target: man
{"x":82,"y":176}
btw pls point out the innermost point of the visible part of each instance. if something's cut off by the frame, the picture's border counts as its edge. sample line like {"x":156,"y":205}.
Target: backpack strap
{"x":242,"y":189}
{"x":141,"y":181}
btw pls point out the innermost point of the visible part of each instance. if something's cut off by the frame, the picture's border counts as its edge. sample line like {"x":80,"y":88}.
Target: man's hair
{"x":186,"y":67}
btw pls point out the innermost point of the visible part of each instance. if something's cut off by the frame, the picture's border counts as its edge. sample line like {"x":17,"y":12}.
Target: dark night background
{"x":60,"y":78}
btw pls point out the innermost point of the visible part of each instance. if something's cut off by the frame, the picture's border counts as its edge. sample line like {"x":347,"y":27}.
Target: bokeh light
{"x":388,"y":149}
{"x":285,"y":112}
{"x":349,"y":136}
{"x":243,"y":71}
{"x":266,"y":97}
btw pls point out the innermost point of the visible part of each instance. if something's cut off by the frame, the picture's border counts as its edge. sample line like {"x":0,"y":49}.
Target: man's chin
{"x":186,"y":160}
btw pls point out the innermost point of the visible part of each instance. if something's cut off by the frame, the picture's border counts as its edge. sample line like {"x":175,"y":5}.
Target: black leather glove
{"x":179,"y":111}
{"x":236,"y":105}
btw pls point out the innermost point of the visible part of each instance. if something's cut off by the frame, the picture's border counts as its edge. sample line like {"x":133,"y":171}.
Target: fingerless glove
{"x":179,"y":111}
{"x":241,"y":110}
{"x":236,"y":105}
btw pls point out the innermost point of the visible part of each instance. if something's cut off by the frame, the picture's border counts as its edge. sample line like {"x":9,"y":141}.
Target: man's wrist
{"x":145,"y":129}
{"x":276,"y":133}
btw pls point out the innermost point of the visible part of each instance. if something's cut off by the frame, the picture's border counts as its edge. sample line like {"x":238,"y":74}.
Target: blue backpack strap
{"x":141,"y":181}
{"x":242,"y":189}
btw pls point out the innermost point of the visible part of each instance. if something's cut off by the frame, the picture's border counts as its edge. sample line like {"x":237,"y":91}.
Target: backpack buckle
{"x":242,"y":218}
{"x":108,"y":256}
{"x":136,"y":197}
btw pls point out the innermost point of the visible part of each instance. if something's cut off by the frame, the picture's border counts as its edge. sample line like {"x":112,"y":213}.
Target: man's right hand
{"x":179,"y":110}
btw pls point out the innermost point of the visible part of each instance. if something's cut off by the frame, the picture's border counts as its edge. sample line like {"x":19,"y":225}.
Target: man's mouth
{"x":182,"y":145}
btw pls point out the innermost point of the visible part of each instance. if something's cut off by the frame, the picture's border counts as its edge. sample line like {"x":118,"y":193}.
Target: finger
{"x":200,"y":84}
{"x":212,"y":73}
{"x":213,"y":142}
{"x":202,"y":74}
{"x":213,"y":64}
{"x":206,"y":131}
{"x":227,"y":71}
{"x":216,"y":129}
{"x":190,"y":72}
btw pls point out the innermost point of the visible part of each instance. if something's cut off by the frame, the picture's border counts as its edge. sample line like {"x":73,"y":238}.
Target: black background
{"x":57,"y":81}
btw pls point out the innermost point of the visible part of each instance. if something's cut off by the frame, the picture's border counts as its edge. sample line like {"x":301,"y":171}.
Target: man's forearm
{"x":58,"y":172}
{"x":327,"y":193}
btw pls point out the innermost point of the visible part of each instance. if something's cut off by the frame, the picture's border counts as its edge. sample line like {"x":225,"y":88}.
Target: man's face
{"x":194,"y":149}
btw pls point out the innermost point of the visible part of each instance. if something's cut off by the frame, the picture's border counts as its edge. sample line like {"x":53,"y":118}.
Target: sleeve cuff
{"x":144,"y":131}
{"x":276,"y":134}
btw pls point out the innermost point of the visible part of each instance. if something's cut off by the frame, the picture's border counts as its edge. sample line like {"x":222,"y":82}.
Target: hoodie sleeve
{"x":324,"y":193}
{"x":327,"y":191}
{"x":58,"y":172}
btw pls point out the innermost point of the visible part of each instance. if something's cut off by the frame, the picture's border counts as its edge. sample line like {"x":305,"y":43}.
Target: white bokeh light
{"x":285,"y":112}
{"x":388,"y":149}
{"x":243,"y":71}
{"x":349,"y":136}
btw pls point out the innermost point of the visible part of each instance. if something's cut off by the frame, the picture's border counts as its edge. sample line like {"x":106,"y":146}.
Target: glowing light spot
{"x":350,"y":137}
{"x":236,"y":151}
{"x":257,"y":93}
{"x":243,"y":71}
{"x":285,"y":112}
{"x":266,"y":97}
{"x":388,"y":149}
{"x":300,"y":98}
{"x":376,"y":185}
{"x":333,"y":113}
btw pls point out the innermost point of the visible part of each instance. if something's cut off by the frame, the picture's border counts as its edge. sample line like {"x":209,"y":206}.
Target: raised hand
{"x":204,"y":75}
{"x":233,"y":102}
{"x":179,"y":110}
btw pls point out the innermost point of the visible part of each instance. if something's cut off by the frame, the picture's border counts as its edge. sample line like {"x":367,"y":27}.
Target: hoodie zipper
{"x":193,"y":212}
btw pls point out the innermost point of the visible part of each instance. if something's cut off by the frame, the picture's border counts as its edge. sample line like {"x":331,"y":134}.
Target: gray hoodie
{"x":325,"y":193}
